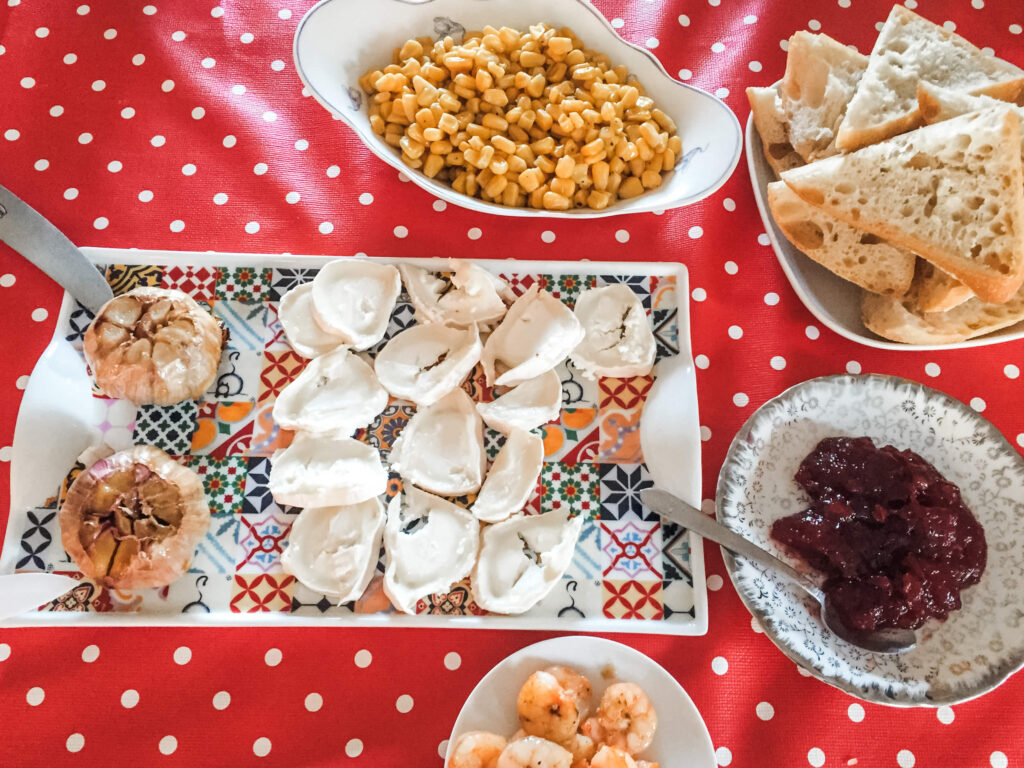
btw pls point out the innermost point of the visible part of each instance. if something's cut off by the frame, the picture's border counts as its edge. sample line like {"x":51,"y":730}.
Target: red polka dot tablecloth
{"x":184,"y":126}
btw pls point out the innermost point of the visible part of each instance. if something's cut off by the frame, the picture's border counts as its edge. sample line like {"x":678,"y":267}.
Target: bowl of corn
{"x":516,"y":107}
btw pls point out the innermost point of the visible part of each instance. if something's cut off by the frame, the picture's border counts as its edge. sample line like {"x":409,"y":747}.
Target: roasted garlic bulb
{"x":133,"y":519}
{"x":153,"y":345}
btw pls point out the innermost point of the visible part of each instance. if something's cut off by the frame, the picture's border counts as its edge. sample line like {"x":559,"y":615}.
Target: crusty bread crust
{"x":896,"y":319}
{"x":936,"y":291}
{"x":937,"y":104}
{"x":818,"y":183}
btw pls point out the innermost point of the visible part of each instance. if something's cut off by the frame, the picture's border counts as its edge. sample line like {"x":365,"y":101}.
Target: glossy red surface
{"x":892,"y":536}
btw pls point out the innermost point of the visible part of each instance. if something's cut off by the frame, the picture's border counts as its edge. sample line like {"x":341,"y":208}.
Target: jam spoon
{"x":876,"y":641}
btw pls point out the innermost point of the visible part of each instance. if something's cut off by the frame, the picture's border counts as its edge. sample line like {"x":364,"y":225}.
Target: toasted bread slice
{"x":952,"y":192}
{"x":909,"y":50}
{"x":771,"y":127}
{"x":938,"y":104}
{"x":898,"y":320}
{"x":854,"y":255}
{"x":821,"y":78}
{"x":936,"y":291}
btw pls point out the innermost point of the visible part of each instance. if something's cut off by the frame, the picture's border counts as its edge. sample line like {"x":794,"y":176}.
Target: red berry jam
{"x":891,"y":535}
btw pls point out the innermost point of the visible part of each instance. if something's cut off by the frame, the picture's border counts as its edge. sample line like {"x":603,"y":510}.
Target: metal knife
{"x":26,"y":231}
{"x":20,"y":592}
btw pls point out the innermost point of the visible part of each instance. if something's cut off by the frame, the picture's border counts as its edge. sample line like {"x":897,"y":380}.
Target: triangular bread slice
{"x":936,"y":291}
{"x":897,"y":319}
{"x":952,"y":192}
{"x":853,"y":254}
{"x":821,"y":78}
{"x":939,"y":291}
{"x":910,"y":49}
{"x":938,"y":104}
{"x":769,"y":120}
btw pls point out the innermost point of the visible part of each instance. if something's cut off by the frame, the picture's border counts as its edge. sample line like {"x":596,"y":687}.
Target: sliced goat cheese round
{"x":336,"y":393}
{"x":538,"y":333}
{"x":441,"y":449}
{"x":511,"y":478}
{"x":326,"y":471}
{"x":429,"y":545}
{"x":334,"y":550}
{"x":354,"y":298}
{"x":522,"y":559}
{"x":528,"y":405}
{"x":618,"y":340}
{"x":468,"y":295}
{"x":426,"y":362}
{"x":303,"y":332}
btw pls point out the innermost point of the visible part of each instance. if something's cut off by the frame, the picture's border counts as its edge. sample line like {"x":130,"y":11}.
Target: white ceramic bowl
{"x":338,"y":41}
{"x":834,"y":301}
{"x":681,"y":739}
{"x":978,"y":646}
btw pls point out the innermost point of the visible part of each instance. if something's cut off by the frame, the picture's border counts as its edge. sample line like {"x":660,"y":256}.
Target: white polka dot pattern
{"x":187,"y":127}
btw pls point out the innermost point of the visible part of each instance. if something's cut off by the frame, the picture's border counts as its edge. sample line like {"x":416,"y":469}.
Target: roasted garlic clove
{"x":153,"y":345}
{"x":133,"y":519}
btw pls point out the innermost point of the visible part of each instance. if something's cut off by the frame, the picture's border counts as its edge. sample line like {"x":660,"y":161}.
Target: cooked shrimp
{"x":582,"y":748}
{"x":534,"y":752}
{"x":477,"y":749}
{"x":591,"y":728}
{"x":611,"y":757}
{"x":646,"y":764}
{"x":573,"y":681}
{"x":626,"y":718}
{"x":547,"y":708}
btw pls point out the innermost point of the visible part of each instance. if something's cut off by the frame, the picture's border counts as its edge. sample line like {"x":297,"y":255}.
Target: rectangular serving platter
{"x":631,"y":571}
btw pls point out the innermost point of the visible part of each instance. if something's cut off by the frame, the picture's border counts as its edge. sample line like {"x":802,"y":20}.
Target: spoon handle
{"x":671,"y":508}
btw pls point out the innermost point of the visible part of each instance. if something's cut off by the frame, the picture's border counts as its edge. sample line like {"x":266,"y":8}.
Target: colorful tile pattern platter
{"x":630,"y":571}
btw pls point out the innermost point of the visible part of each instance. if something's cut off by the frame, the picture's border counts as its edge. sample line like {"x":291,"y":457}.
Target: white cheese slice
{"x":354,"y":298}
{"x":522,"y":559}
{"x":534,"y":402}
{"x":441,"y":448}
{"x":429,"y":545}
{"x":425,"y":362}
{"x":334,"y":550}
{"x":618,"y":340}
{"x":326,"y":471}
{"x":469,"y":296}
{"x":304,"y":334}
{"x":336,"y":393}
{"x":538,"y":333}
{"x":511,"y":478}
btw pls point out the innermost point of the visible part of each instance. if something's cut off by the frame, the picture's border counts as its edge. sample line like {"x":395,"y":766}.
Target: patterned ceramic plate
{"x":980,"y":645}
{"x":681,"y":740}
{"x":630,"y":572}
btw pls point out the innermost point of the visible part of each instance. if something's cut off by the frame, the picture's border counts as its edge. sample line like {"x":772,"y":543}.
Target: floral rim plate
{"x":977,"y":647}
{"x":682,"y":739}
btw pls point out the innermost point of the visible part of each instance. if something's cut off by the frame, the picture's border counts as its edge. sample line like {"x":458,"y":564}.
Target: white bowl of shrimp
{"x":579,"y":702}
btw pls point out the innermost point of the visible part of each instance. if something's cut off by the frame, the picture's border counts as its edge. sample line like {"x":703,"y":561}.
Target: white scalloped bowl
{"x":338,"y":41}
{"x":977,"y":647}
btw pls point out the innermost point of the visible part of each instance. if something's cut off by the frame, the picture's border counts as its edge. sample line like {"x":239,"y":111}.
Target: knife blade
{"x":26,"y":231}
{"x":20,"y":592}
